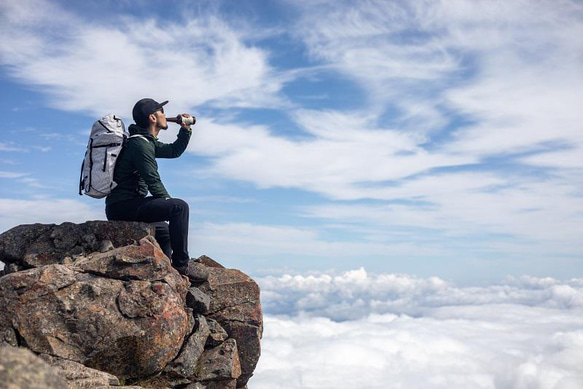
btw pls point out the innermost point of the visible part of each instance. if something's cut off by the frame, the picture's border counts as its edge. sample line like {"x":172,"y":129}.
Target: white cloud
{"x":10,"y":147}
{"x":356,"y":294}
{"x":486,"y":62}
{"x":239,"y":241}
{"x":96,"y":67}
{"x":347,"y":158}
{"x":347,"y":151}
{"x":565,"y":159}
{"x":5,"y":174}
{"x":465,"y":203}
{"x":509,"y":71}
{"x":14,"y":212}
{"x":398,"y":331}
{"x":511,"y":67}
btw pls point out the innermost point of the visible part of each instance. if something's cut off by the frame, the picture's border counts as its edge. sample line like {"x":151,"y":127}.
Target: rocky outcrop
{"x":102,"y":303}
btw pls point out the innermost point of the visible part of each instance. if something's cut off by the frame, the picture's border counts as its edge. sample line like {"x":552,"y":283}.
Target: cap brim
{"x":162,"y":104}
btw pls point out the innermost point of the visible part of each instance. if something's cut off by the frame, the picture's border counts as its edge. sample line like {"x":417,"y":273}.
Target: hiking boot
{"x":195,"y":271}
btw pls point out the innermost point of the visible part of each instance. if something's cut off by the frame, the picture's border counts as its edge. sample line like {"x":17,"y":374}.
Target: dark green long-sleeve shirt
{"x":136,"y":170}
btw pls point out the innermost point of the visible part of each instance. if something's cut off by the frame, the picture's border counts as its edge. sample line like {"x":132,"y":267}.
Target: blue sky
{"x":433,"y":138}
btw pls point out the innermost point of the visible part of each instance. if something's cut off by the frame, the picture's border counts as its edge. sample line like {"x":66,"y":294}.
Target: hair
{"x":143,"y":122}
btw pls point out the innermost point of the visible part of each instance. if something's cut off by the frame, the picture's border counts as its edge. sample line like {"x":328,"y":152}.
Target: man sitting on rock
{"x":136,"y":174}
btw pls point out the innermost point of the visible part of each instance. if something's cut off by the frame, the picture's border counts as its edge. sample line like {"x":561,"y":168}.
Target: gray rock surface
{"x":236,"y":307}
{"x":217,"y":333}
{"x":31,"y":245}
{"x":21,"y":369}
{"x":226,"y":384}
{"x":219,"y":363}
{"x":197,"y":300}
{"x":80,"y":376}
{"x":184,"y":365}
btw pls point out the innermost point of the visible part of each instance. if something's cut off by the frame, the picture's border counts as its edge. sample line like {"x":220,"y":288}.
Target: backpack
{"x":106,"y":141}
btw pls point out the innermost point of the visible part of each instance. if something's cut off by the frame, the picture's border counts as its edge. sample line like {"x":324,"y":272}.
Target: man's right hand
{"x":188,"y":120}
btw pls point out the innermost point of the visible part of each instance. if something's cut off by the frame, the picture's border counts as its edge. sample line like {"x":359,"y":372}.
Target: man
{"x":136,"y":174}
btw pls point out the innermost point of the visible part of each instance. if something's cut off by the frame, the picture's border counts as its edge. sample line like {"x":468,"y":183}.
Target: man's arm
{"x":174,"y":150}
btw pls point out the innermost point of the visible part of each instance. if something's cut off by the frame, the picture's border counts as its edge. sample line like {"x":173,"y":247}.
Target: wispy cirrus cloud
{"x":6,"y":174}
{"x":470,"y":124}
{"x":344,"y":149}
{"x":46,"y":210}
{"x":96,"y":67}
{"x":11,"y":147}
{"x":466,"y":123}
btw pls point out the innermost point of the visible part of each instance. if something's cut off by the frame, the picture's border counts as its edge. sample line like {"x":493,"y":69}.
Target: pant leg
{"x":176,"y":212}
{"x":126,"y":210}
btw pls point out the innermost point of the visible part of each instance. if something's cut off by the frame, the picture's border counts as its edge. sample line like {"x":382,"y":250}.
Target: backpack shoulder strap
{"x":139,"y":136}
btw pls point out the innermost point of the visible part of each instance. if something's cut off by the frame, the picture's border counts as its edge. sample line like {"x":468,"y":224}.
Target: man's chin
{"x":164,"y":127}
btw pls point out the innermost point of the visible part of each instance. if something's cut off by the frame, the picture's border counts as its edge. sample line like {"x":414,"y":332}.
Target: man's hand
{"x":187,"y":120}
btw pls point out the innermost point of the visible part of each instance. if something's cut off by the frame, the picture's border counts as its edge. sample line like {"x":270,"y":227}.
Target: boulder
{"x":80,"y":376}
{"x":235,"y":305}
{"x":129,"y":326}
{"x":219,"y":363}
{"x":20,"y":368}
{"x":33,"y":245}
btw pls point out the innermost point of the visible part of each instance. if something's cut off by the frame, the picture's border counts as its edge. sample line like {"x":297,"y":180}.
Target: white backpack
{"x":106,"y":141}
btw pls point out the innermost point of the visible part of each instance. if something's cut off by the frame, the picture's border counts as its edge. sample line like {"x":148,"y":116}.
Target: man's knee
{"x":180,"y":205}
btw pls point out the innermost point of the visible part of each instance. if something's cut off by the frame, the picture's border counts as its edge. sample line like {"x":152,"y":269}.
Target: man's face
{"x":161,"y":122}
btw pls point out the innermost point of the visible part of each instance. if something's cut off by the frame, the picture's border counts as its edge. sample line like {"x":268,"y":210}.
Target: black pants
{"x":173,"y":236}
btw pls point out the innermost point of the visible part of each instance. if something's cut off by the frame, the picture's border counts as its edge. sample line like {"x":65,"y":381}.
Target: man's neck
{"x":154,"y":131}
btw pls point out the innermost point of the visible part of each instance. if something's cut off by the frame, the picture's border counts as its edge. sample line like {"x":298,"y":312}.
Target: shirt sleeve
{"x":175,"y":149}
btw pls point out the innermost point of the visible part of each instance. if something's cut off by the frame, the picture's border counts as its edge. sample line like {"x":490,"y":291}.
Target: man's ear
{"x":152,"y":118}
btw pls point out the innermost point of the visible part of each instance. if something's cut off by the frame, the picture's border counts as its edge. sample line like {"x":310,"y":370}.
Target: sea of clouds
{"x":360,"y":330}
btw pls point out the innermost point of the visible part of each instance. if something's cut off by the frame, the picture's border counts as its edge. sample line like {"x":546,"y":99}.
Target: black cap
{"x":144,"y":108}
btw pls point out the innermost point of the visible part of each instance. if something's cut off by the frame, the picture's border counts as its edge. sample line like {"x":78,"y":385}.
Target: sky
{"x":432,"y":138}
{"x":404,"y":179}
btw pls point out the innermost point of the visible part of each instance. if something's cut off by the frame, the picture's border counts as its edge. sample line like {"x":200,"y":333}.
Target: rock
{"x":226,"y":384}
{"x":80,"y":376}
{"x":102,"y":304}
{"x":32,"y":245}
{"x":13,"y":268}
{"x":196,"y":272}
{"x":219,"y":363}
{"x":217,"y":333}
{"x":21,"y":369}
{"x":106,"y":245}
{"x":198,"y":300}
{"x":236,"y":307}
{"x":126,"y":328}
{"x":144,"y":261}
{"x":209,"y":262}
{"x":184,"y":365}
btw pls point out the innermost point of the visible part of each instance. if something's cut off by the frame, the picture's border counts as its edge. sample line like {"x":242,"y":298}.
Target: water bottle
{"x":184,"y":121}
